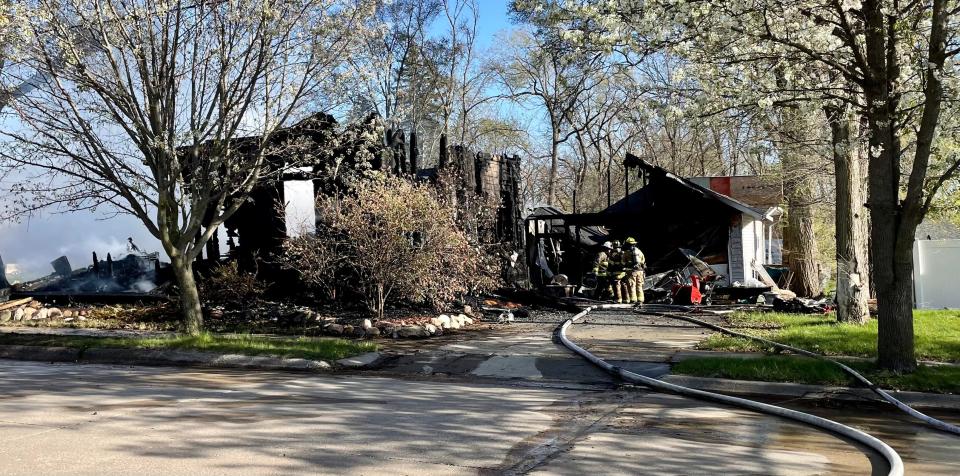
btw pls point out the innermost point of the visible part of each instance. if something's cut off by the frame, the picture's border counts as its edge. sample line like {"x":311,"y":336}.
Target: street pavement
{"x":95,"y":419}
{"x":508,"y":400}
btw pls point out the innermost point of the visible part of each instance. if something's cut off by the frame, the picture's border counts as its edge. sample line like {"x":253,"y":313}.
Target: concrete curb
{"x":361,"y":361}
{"x":160,"y":358}
{"x":815,"y":392}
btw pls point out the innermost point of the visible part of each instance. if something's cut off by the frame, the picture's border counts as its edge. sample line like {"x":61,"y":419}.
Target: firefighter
{"x":617,"y":274}
{"x":601,"y":269}
{"x":633,"y":265}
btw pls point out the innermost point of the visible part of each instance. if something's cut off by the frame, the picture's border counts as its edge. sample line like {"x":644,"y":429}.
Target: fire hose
{"x":893,"y":459}
{"x":935,"y":423}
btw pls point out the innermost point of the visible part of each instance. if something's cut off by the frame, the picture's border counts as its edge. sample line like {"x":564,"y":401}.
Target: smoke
{"x":143,"y":286}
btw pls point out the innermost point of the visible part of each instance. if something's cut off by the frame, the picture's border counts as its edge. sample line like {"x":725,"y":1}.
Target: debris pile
{"x":27,"y":309}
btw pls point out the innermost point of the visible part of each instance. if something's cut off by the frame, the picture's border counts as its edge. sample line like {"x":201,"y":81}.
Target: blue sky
{"x":493,"y":19}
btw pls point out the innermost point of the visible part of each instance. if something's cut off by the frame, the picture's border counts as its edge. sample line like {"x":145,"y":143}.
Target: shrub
{"x":398,"y":240}
{"x":318,"y":259}
{"x":229,"y":286}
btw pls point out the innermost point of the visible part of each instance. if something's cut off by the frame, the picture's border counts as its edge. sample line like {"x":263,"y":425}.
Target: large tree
{"x":139,"y":104}
{"x":893,"y":62}
{"x":545,"y":71}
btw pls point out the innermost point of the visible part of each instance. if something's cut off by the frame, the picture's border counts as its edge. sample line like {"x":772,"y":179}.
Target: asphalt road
{"x":93,"y":419}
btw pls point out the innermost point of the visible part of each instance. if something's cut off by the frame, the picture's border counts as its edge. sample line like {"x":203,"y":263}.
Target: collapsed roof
{"x":667,"y":214}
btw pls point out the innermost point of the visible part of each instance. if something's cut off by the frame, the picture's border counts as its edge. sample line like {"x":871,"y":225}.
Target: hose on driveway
{"x":933,"y":422}
{"x":893,"y":459}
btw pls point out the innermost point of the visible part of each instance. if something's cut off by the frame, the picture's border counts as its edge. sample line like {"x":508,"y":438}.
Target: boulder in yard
{"x":28,"y":313}
{"x":444,"y":321}
{"x":6,"y":315}
{"x":373,"y":332}
{"x":334,"y":329}
{"x":18,"y":314}
{"x":432,"y":329}
{"x":367,"y":324}
{"x":301,"y":317}
{"x":412,"y":331}
{"x":348,"y":330}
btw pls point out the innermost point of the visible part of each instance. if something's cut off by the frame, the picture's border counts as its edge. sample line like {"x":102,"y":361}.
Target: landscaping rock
{"x":5,"y":316}
{"x":54,"y":313}
{"x":455,"y":322}
{"x":436,"y":322}
{"x":18,"y":314}
{"x":67,"y":313}
{"x":373,"y":332}
{"x":42,"y":314}
{"x":301,"y":317}
{"x":28,"y":313}
{"x":444,"y":321}
{"x":348,"y":330}
{"x":334,"y":329}
{"x":412,"y":331}
{"x":367,"y":324}
{"x":432,"y":329}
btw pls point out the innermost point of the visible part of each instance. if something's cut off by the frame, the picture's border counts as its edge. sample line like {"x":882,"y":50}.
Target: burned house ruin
{"x":260,"y":227}
{"x":667,"y":215}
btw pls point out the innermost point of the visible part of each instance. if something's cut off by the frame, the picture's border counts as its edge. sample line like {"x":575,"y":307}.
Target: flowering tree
{"x":12,"y":31}
{"x":892,"y":62}
{"x":139,"y":106}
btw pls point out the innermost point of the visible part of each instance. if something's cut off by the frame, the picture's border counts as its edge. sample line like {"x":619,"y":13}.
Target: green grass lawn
{"x":937,"y":334}
{"x":302,"y":347}
{"x":782,"y":368}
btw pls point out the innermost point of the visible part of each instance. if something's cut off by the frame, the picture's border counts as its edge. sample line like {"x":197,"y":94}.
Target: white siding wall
{"x":747,"y":244}
{"x":735,"y":254}
{"x":934,"y":275}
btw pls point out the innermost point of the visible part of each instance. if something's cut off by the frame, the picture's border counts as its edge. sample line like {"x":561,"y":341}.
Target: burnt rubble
{"x":683,"y":229}
{"x":136,"y":275}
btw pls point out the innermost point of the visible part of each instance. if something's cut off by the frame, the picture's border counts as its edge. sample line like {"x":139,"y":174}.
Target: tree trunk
{"x":800,"y":244}
{"x":892,"y":271}
{"x":552,"y":180}
{"x":852,"y":273}
{"x":189,"y":295}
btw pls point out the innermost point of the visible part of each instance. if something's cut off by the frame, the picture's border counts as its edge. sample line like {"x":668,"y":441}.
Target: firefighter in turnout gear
{"x":601,"y":269}
{"x":617,"y":273}
{"x":634,"y":264}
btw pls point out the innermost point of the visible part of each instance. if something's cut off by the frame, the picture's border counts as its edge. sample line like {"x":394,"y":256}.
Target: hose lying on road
{"x":938,"y":424}
{"x":893,"y":459}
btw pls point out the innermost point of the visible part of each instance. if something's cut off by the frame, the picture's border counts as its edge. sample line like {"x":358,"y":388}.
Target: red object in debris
{"x":688,"y":293}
